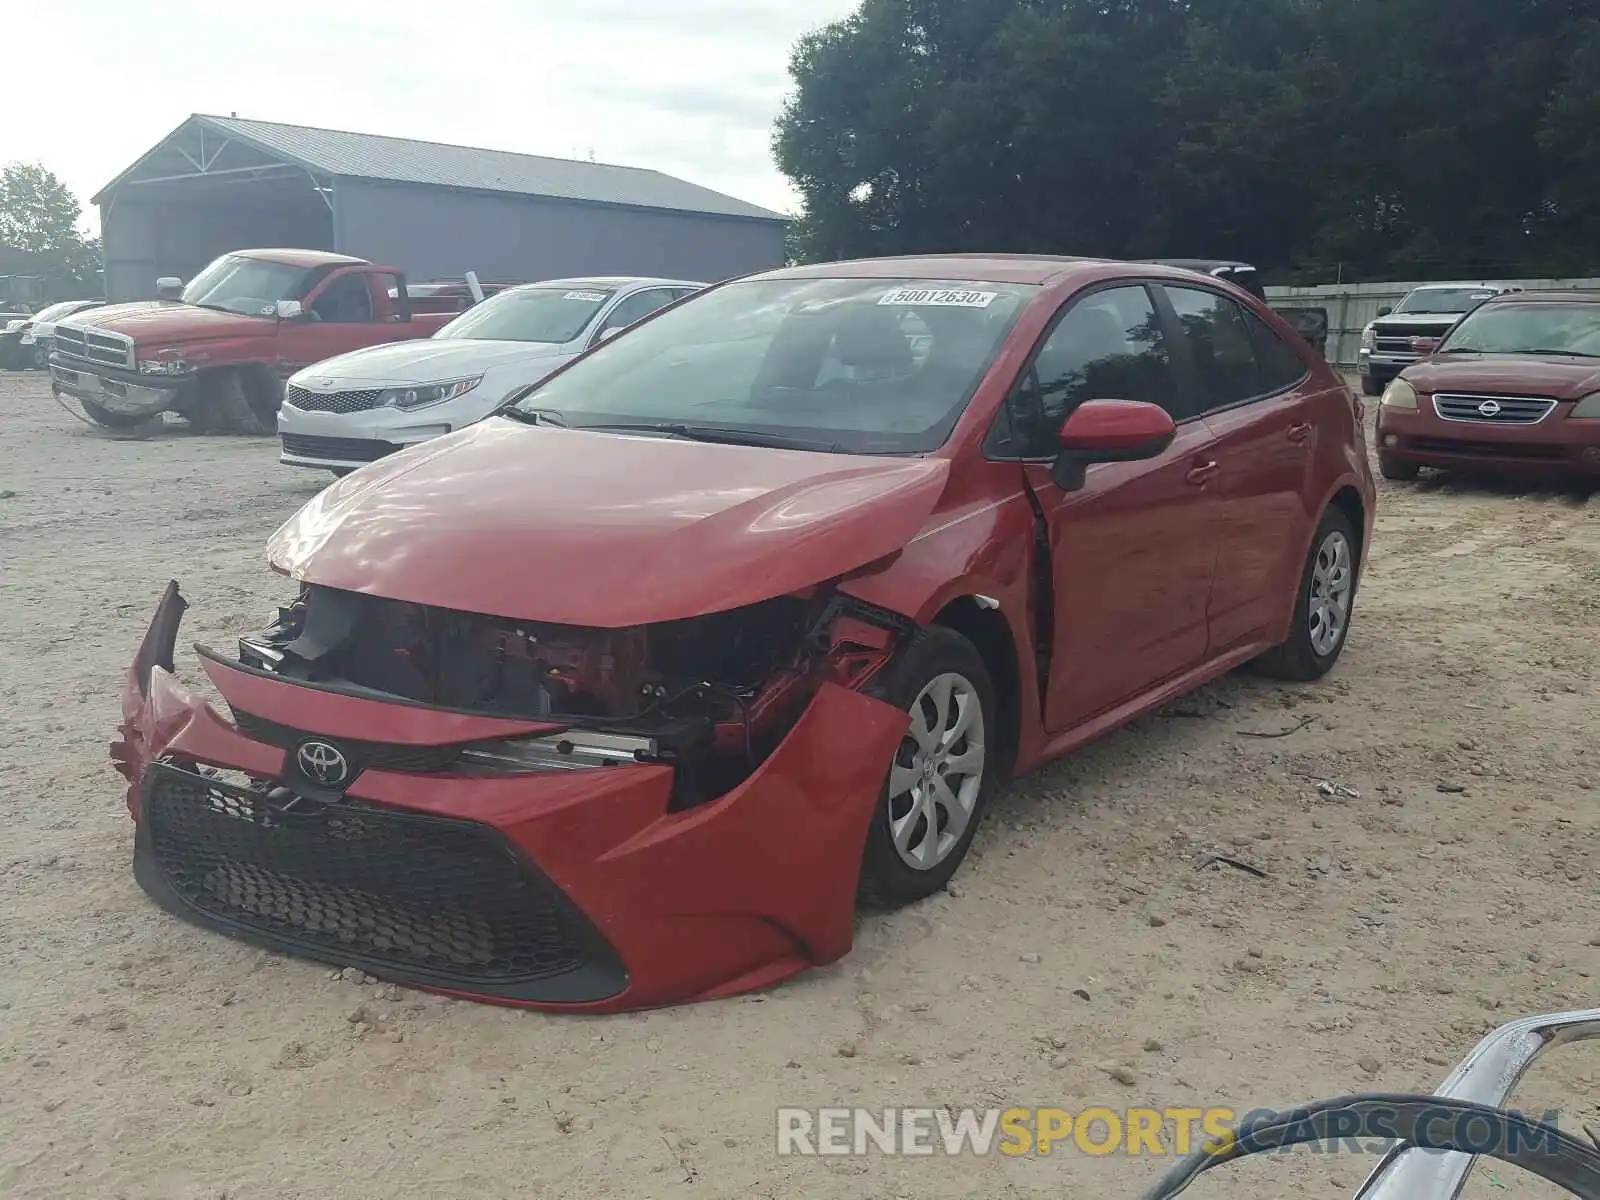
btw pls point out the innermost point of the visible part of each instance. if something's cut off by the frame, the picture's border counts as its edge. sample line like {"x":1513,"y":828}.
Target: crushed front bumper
{"x":574,"y":889}
{"x":120,"y":392}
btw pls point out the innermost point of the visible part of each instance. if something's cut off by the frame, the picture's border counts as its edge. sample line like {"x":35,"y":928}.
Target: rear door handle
{"x":1201,"y":474}
{"x":1300,"y":432}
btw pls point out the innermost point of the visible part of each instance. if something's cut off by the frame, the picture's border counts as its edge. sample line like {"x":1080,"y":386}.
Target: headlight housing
{"x":163,"y":366}
{"x":1399,"y":394}
{"x":1589,"y":406}
{"x":430,"y":393}
{"x":1369,"y":338}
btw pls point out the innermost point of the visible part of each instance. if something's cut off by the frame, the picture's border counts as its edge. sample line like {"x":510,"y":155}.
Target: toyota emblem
{"x":1489,"y":408}
{"x":322,"y":763}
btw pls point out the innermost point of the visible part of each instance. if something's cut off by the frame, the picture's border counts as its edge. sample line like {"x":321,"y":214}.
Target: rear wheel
{"x":942,"y":770}
{"x":1323,"y":607}
{"x":1400,"y":470}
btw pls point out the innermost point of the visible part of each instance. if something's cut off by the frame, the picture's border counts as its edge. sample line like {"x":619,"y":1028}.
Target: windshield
{"x":250,"y":287}
{"x":869,"y":366}
{"x":1445,"y":300}
{"x":531,"y":315}
{"x":1528,"y":329}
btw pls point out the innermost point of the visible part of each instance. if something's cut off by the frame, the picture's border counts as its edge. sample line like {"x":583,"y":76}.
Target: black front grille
{"x":337,"y":449}
{"x":422,"y":898}
{"x":331,"y":402}
{"x":376,"y":756}
{"x":1493,"y":410}
{"x":1517,"y":450}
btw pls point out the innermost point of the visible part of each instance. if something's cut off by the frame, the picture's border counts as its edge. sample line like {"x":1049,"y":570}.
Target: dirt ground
{"x":143,"y":1058}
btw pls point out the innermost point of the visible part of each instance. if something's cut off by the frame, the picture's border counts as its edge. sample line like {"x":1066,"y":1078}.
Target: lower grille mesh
{"x":441,"y":899}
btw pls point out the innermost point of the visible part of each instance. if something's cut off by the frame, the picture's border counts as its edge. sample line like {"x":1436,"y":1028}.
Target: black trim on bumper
{"x":408,"y":897}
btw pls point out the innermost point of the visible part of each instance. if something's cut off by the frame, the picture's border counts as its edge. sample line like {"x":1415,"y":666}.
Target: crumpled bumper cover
{"x":576,"y":890}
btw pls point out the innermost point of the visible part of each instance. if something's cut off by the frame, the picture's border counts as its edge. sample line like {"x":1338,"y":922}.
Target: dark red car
{"x":1514,"y":386}
{"x":627,"y":696}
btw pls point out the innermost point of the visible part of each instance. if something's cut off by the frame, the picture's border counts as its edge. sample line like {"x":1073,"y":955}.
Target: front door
{"x":1131,"y":551}
{"x":1250,"y":386}
{"x":339,"y":315}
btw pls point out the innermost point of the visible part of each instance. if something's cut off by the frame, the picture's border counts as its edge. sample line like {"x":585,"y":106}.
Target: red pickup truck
{"x":218,"y":350}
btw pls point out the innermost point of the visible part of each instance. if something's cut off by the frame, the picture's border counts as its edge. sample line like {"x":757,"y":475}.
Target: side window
{"x":1108,"y":346}
{"x":1281,"y":367}
{"x":345,"y":301}
{"x":1219,"y":346}
{"x":635,"y":308}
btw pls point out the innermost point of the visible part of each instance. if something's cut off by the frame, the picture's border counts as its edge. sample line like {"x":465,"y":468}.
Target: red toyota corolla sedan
{"x":628,"y":696}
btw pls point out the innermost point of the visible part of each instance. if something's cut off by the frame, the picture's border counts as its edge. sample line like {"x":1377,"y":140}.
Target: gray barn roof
{"x":373,"y":156}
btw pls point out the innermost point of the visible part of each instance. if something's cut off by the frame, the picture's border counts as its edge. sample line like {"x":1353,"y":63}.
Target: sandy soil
{"x":140,"y":1057}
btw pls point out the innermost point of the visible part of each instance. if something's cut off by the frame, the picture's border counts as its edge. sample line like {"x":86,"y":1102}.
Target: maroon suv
{"x":1515,"y":385}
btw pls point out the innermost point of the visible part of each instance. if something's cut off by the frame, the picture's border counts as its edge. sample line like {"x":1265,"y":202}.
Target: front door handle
{"x":1300,"y":432}
{"x":1201,"y":473}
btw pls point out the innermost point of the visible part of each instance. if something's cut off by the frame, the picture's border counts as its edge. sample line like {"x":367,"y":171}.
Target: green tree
{"x":1396,"y":138}
{"x":39,"y":215}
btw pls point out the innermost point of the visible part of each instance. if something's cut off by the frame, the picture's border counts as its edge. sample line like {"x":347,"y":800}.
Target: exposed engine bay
{"x":715,"y":694}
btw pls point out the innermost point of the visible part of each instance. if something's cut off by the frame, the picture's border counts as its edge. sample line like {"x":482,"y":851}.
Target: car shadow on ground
{"x":1576,"y":490}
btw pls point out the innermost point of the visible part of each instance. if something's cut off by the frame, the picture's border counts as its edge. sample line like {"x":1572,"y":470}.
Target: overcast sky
{"x":689,"y":87}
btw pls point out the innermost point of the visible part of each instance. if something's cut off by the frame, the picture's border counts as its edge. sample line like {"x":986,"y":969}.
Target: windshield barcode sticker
{"x":939,"y":298}
{"x":591,"y":296}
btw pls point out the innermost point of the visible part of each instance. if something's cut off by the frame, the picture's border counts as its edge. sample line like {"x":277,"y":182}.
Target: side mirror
{"x":1110,"y":431}
{"x":288,"y":310}
{"x":1384,"y":312}
{"x":169,"y":287}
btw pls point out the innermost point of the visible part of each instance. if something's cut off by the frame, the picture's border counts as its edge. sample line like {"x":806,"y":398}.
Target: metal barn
{"x":221,"y":183}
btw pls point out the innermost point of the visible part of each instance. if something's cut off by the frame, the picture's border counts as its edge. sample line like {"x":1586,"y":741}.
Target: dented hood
{"x":604,"y":530}
{"x":1557,"y":376}
{"x":168,"y":320}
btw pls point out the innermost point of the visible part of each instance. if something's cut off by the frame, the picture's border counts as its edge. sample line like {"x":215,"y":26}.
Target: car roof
{"x":610,"y":282}
{"x":1456,"y":287}
{"x":1563,"y":296}
{"x":302,"y":258}
{"x":991,"y":268}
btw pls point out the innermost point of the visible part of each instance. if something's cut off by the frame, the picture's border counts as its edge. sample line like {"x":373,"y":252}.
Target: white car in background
{"x":356,"y":408}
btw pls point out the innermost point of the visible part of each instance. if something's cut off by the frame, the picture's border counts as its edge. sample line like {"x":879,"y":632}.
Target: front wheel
{"x":1370,"y":386}
{"x":941,"y":773}
{"x":1399,"y":470}
{"x":1323,"y":606}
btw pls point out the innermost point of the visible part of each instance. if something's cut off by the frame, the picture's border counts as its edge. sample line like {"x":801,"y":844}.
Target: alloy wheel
{"x":1332,"y":586}
{"x":937,"y":772}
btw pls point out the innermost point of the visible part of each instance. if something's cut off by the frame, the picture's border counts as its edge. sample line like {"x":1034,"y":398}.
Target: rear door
{"x":1250,"y":387}
{"x":1131,"y":551}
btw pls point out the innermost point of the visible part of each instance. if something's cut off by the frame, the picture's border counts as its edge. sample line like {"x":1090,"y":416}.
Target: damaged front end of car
{"x":520,"y":812}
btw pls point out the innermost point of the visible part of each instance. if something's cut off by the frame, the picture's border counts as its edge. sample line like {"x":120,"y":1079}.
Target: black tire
{"x":1370,"y":386}
{"x":121,"y":422}
{"x":1298,"y":658}
{"x":1399,"y":470}
{"x":222,"y":406}
{"x":887,"y":879}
